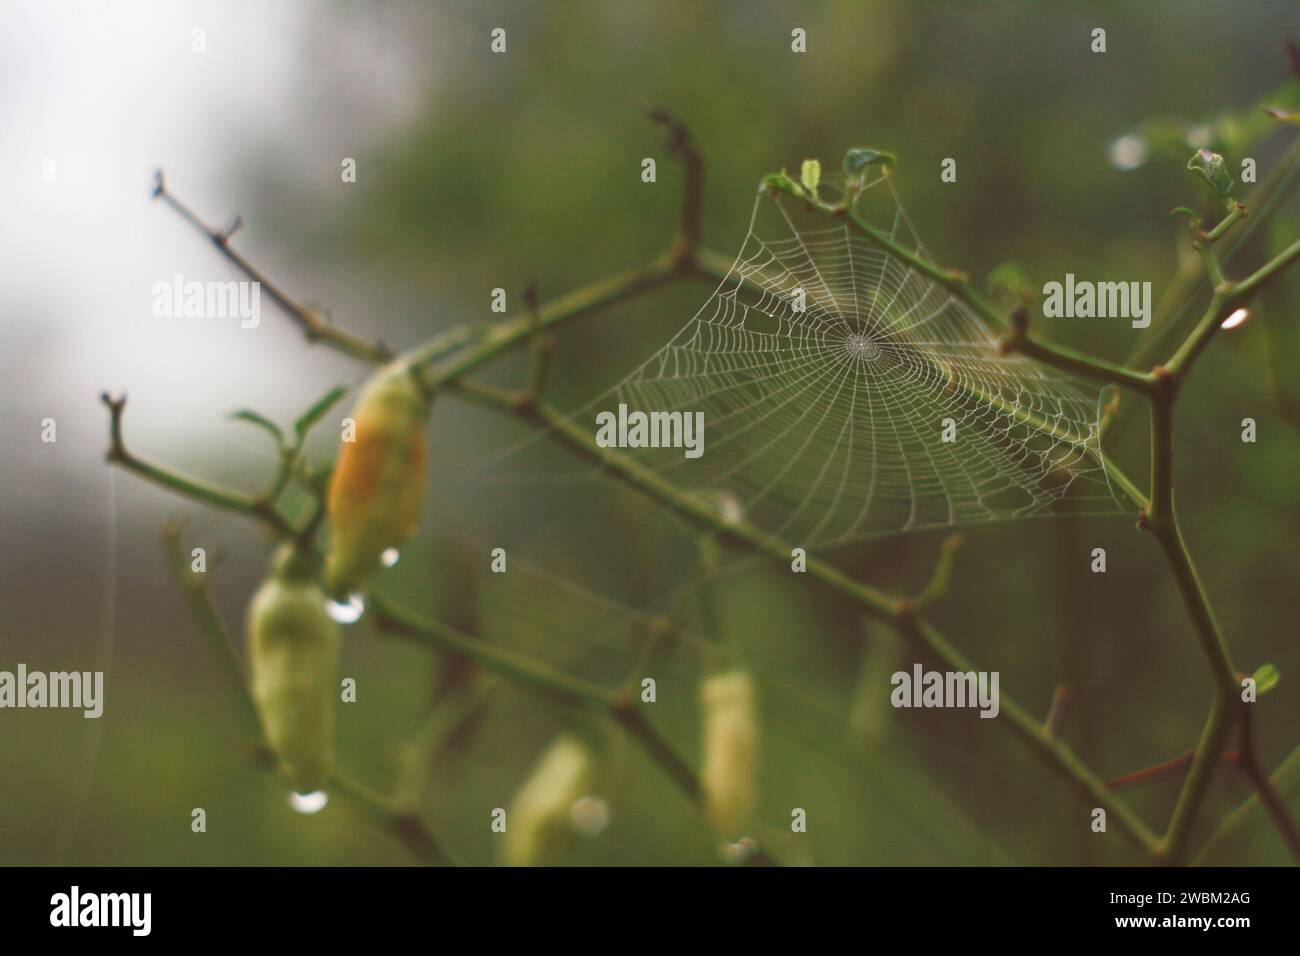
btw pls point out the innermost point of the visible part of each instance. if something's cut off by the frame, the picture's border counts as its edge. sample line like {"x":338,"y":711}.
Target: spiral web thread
{"x":824,"y":426}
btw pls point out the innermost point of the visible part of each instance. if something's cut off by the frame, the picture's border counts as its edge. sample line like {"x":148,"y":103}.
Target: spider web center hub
{"x":862,"y":347}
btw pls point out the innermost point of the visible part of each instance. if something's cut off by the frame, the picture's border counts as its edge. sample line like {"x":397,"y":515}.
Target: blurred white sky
{"x":111,"y":91}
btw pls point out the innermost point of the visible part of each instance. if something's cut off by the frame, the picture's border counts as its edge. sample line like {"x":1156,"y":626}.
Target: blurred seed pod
{"x":540,"y":819}
{"x":293,"y":649}
{"x":729,"y":776}
{"x":378,"y":482}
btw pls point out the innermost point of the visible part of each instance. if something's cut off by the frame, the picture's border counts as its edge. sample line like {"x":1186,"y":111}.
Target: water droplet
{"x":309,"y":803}
{"x":1129,"y":152}
{"x":346,"y":612}
{"x":390,"y":557}
{"x":589,"y":815}
{"x":1236,"y":319}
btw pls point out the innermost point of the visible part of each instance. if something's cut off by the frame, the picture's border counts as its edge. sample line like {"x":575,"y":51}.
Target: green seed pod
{"x":538,"y":822}
{"x":730,"y":770}
{"x":293,"y":651}
{"x":378,"y":482}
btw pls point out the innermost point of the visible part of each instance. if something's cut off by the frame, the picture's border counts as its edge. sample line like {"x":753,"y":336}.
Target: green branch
{"x":876,"y":602}
{"x":195,"y":489}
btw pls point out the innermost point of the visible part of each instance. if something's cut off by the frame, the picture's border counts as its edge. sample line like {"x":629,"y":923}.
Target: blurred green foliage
{"x":528,"y":164}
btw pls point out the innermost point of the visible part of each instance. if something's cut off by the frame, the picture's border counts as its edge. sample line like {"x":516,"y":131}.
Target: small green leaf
{"x":317,"y":411}
{"x":1211,"y":167}
{"x":253,"y":418}
{"x":857,"y":160}
{"x":811,"y":175}
{"x":783,"y":183}
{"x":1266,"y":678}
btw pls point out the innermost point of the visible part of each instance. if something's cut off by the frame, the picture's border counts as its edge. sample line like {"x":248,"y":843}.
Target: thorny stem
{"x":402,"y":820}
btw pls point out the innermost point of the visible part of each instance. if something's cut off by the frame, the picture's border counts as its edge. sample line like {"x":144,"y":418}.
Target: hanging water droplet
{"x":309,"y":803}
{"x":346,"y":612}
{"x":1236,"y":319}
{"x":589,"y":815}
{"x":1129,"y":152}
{"x":390,"y":557}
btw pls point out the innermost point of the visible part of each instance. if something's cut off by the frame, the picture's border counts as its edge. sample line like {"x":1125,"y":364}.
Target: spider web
{"x":829,"y":372}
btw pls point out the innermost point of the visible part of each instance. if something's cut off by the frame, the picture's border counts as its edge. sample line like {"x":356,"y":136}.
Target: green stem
{"x":1248,"y":287}
{"x":403,"y":820}
{"x":1218,"y":724}
{"x":1076,"y":363}
{"x":1162,"y":520}
{"x":618,"y":705}
{"x":220,"y":645}
{"x":1254,"y":770}
{"x":1234,"y":828}
{"x":876,"y":602}
{"x":509,"y":334}
{"x":392,"y":617}
{"x":193,"y":488}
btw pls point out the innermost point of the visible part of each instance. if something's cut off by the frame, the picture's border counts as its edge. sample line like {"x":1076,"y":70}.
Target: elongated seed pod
{"x":293,"y":650}
{"x":729,"y":773}
{"x":378,"y":482}
{"x":538,"y":820}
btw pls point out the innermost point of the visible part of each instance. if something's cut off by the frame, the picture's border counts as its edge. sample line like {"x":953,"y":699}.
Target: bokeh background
{"x":477,"y":171}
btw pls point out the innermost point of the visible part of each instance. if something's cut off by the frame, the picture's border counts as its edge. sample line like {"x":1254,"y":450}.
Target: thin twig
{"x":313,"y":327}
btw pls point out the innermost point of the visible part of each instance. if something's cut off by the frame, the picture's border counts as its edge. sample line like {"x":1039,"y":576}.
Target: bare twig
{"x":312,"y":325}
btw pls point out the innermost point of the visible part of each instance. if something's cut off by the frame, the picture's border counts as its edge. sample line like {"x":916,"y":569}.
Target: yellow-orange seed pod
{"x":293,"y":652}
{"x":378,"y":482}
{"x":730,"y":770}
{"x":539,"y":821}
